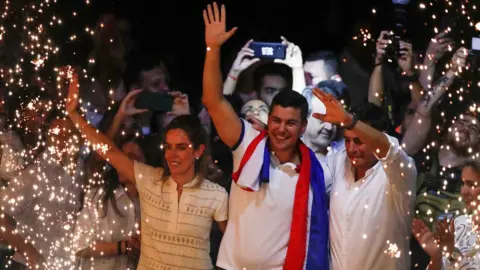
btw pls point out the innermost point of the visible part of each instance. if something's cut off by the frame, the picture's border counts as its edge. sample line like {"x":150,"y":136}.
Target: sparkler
{"x":52,"y":177}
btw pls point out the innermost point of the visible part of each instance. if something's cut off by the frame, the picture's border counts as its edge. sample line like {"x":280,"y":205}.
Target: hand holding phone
{"x":154,"y":101}
{"x":268,"y":50}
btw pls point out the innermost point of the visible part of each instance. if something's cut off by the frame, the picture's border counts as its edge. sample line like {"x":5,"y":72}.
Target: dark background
{"x":176,"y":27}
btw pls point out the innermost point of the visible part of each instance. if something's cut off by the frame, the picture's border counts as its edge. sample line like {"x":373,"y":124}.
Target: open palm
{"x":335,"y":112}
{"x":215,"y":26}
{"x":425,"y":238}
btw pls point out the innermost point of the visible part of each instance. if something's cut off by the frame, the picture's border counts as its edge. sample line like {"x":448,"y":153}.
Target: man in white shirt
{"x":372,"y":195}
{"x":278,"y":179}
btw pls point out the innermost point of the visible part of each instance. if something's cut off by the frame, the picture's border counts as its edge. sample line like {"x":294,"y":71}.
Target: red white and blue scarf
{"x":310,"y":176}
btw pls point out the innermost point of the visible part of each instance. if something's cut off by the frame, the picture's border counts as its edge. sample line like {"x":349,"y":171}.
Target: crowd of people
{"x":276,"y":169}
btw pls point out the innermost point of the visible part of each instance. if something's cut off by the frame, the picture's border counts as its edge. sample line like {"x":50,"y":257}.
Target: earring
{"x":197,"y":158}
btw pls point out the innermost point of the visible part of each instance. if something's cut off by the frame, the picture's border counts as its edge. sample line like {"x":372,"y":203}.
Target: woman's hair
{"x":474,"y":164}
{"x":192,"y":126}
{"x":108,"y":182}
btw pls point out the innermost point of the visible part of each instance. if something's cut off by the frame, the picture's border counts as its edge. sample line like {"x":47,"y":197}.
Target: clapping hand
{"x":215,"y":26}
{"x":426,"y":238}
{"x":445,"y":235}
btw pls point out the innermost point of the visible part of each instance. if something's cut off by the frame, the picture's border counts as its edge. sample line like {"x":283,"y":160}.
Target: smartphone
{"x":269,"y":50}
{"x":475,"y":43}
{"x":445,"y":216}
{"x":154,"y":101}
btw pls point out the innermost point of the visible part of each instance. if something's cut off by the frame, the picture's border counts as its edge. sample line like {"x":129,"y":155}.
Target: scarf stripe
{"x":311,"y":175}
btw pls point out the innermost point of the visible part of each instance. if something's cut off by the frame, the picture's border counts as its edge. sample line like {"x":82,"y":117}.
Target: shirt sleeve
{"x":399,"y":167}
{"x":145,"y":174}
{"x":246,"y":137}
{"x":221,"y":211}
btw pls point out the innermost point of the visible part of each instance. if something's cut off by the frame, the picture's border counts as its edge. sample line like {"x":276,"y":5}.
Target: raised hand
{"x":459,"y":60}
{"x":73,"y":96}
{"x":405,"y":61}
{"x":426,"y":238}
{"x":293,"y":57}
{"x":382,"y":43}
{"x":244,"y":60}
{"x":439,"y":45}
{"x":127,"y":107}
{"x":215,"y":26}
{"x":445,"y":235}
{"x":180,"y":104}
{"x":335,"y":112}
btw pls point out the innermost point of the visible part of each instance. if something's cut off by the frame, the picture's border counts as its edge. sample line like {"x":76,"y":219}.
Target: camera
{"x":392,"y":51}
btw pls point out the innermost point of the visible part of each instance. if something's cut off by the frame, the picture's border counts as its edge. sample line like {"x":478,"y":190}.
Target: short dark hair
{"x":291,"y":99}
{"x":329,"y":59}
{"x":272,"y":69}
{"x":373,"y":115}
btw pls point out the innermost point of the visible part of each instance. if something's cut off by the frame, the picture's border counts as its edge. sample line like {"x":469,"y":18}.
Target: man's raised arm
{"x":224,"y":117}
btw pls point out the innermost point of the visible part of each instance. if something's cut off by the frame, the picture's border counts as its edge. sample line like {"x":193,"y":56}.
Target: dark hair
{"x":474,"y":164}
{"x":329,"y":59}
{"x":291,"y":99}
{"x":271,"y":69}
{"x":141,"y":62}
{"x":191,"y":125}
{"x":109,"y":182}
{"x":372,"y":115}
{"x":337,"y":89}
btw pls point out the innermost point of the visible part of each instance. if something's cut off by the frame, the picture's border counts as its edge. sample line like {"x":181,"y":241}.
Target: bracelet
{"x":354,"y":122}
{"x":234,"y":78}
{"x":119,"y":247}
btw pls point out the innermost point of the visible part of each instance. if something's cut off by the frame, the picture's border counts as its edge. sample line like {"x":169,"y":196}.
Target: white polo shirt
{"x":372,"y":217}
{"x":259,"y":222}
{"x":176,"y":232}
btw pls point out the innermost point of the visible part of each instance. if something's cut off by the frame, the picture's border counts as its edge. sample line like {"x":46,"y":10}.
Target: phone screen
{"x":269,"y":50}
{"x":476,"y":44}
{"x":154,"y":101}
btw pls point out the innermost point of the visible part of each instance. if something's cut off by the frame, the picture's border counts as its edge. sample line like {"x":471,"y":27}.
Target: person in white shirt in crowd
{"x":454,"y":245}
{"x":178,"y":205}
{"x":255,"y":108}
{"x":278,"y":181}
{"x":322,"y":137}
{"x":268,"y":78}
{"x":42,"y":200}
{"x":106,"y":229}
{"x":321,"y":66}
{"x":373,"y":191}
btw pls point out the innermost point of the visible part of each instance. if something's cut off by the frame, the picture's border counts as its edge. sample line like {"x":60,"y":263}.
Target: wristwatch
{"x":354,"y":122}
